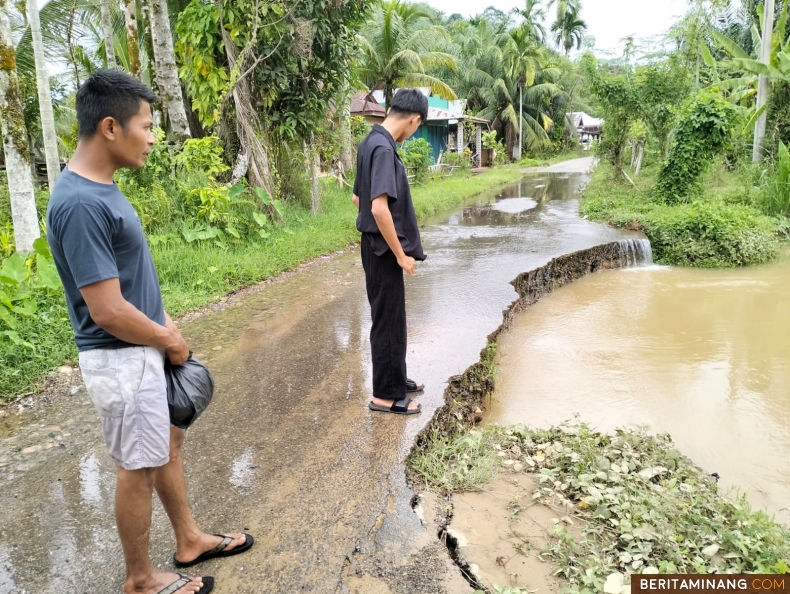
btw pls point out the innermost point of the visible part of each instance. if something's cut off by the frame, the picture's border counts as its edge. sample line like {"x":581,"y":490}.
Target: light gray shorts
{"x":128,"y":388}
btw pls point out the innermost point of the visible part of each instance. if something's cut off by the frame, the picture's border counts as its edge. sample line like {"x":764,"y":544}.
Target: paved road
{"x":288,"y":448}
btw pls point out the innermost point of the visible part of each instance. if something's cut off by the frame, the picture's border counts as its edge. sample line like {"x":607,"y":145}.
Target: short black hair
{"x":407,"y":102}
{"x":109,"y":93}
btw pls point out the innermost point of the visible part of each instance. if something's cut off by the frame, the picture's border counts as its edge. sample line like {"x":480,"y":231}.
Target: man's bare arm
{"x":383,"y":216}
{"x":123,"y":320}
{"x":355,"y":200}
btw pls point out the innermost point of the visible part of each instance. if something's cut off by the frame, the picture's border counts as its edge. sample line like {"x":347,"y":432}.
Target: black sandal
{"x":217,"y":551}
{"x":399,"y":407}
{"x":412,"y":386}
{"x":208,"y":585}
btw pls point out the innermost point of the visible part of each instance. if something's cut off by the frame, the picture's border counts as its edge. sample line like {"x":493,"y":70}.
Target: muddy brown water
{"x":702,"y":355}
{"x":288,"y":448}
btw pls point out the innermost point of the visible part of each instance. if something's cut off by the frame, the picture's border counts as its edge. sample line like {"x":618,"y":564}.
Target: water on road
{"x":288,"y":449}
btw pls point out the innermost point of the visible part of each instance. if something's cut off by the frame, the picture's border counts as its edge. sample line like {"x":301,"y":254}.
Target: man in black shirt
{"x":390,"y":246}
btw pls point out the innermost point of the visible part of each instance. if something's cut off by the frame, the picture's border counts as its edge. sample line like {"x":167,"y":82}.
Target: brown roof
{"x":363,"y":104}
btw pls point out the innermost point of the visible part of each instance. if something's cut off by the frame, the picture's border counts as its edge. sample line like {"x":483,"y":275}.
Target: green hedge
{"x":707,"y":233}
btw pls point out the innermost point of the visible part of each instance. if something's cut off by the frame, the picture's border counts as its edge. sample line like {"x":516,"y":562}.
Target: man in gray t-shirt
{"x":122,"y":331}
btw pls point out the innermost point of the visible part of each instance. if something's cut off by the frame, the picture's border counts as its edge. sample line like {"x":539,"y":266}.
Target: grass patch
{"x":194,"y":274}
{"x":644,"y":506}
{"x":721,"y":229}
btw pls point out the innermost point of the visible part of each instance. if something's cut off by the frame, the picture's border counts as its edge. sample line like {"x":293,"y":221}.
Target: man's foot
{"x":189,"y":552}
{"x":161,"y":580}
{"x":414,"y":386}
{"x":381,"y":405}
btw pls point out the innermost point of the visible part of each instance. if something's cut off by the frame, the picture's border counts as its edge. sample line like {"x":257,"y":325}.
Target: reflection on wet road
{"x":288,"y":448}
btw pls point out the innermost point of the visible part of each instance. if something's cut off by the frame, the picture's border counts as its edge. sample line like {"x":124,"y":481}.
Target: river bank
{"x":674,"y":350}
{"x":288,"y":447}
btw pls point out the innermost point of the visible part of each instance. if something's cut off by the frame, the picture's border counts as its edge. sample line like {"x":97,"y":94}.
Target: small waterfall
{"x":636,"y":252}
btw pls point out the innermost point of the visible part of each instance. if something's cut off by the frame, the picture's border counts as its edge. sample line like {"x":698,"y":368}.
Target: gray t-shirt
{"x":95,"y":235}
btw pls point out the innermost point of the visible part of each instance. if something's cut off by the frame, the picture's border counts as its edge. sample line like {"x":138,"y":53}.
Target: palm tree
{"x":398,"y":44}
{"x":568,"y":29}
{"x":109,"y":33}
{"x":533,"y":16}
{"x":44,"y":96}
{"x":523,"y":60}
{"x":506,"y":70}
{"x":15,"y":143}
{"x":166,"y":70}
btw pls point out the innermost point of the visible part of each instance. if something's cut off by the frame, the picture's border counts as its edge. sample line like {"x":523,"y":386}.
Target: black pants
{"x":387,"y":298}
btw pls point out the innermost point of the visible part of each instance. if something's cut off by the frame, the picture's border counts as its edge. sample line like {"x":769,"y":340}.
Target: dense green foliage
{"x":706,"y":129}
{"x":715,"y":231}
{"x":640,"y":503}
{"x":418,"y":154}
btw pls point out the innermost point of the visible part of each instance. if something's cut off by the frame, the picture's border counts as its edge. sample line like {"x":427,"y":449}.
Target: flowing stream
{"x":702,"y":355}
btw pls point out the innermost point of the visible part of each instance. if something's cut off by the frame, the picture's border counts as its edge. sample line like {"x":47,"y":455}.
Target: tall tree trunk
{"x":166,"y":70}
{"x":15,"y":143}
{"x":346,"y":142}
{"x":762,"y":84}
{"x":44,"y":96}
{"x":109,"y":34}
{"x":248,"y":127}
{"x":132,"y":36}
{"x":315,"y":169}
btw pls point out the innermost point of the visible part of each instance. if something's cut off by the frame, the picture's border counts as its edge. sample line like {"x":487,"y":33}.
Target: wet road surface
{"x":288,"y":449}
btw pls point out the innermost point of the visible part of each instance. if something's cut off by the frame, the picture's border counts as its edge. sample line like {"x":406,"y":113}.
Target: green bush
{"x":711,"y":235}
{"x":457,"y":160}
{"x":707,"y":124}
{"x":775,"y":190}
{"x":708,"y":233}
{"x":417,"y":153}
{"x":34,"y":323}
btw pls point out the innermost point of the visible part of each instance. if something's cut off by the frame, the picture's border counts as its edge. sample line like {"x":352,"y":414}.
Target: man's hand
{"x":125,"y":322}
{"x":407,"y":263}
{"x":179,"y":352}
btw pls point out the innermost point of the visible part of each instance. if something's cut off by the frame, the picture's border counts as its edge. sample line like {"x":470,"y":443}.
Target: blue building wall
{"x":436,"y":135}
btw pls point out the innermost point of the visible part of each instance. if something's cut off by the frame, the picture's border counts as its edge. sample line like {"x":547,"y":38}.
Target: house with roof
{"x":364,"y":105}
{"x":587,"y":127}
{"x":443,"y":129}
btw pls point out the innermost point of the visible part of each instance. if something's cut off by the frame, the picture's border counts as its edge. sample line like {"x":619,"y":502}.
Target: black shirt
{"x":380,"y":171}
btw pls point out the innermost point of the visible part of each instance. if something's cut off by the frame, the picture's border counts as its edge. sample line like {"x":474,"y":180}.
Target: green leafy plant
{"x":7,"y":240}
{"x":707,"y":125}
{"x":24,"y":283}
{"x":489,"y":140}
{"x":775,"y":190}
{"x":417,"y":153}
{"x":202,"y":154}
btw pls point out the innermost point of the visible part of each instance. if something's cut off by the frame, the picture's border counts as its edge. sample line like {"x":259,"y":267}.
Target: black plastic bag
{"x":189,"y":391}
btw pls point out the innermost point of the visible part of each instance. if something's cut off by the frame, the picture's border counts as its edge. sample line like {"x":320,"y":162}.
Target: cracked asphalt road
{"x":288,"y":449}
